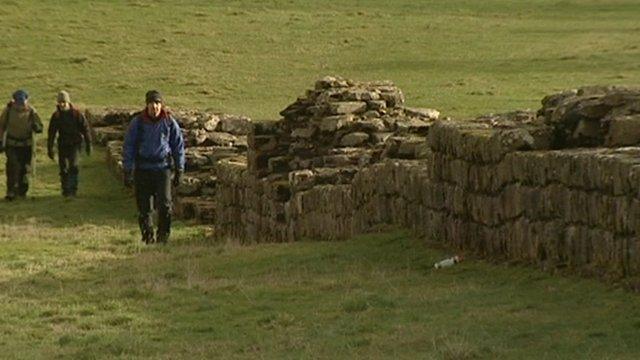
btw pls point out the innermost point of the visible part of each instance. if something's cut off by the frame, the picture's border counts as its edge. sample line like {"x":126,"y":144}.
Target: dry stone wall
{"x":525,"y":186}
{"x":559,"y":186}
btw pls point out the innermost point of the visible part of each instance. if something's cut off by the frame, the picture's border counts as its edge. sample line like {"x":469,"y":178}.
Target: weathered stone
{"x":407,"y":147}
{"x":337,"y":160}
{"x":263,"y":143}
{"x":208,"y":191}
{"x":354,"y":139}
{"x":333,"y":123}
{"x":331,"y":82}
{"x":413,"y":125}
{"x":241,"y":142}
{"x":236,"y":125}
{"x":393,"y":98}
{"x":304,"y":133}
{"x":301,"y":179}
{"x":221,"y":152}
{"x":190,"y":186}
{"x":430,"y":114}
{"x":327,"y":175}
{"x":371,"y":125}
{"x":347,"y":107}
{"x":623,"y":131}
{"x":381,"y":137}
{"x":211,"y":124}
{"x":376,"y":105}
{"x":372,"y":114}
{"x":279,"y":164}
{"x":361,"y":95}
{"x":219,"y":138}
{"x":195,"y":160}
{"x":516,"y":139}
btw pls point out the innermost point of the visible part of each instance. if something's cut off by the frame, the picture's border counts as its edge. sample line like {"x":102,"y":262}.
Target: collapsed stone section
{"x":300,"y":168}
{"x":209,"y":138}
{"x":593,"y":116}
{"x":340,"y":123}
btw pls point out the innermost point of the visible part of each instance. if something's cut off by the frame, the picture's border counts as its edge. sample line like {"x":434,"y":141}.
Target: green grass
{"x":254,"y":57}
{"x":75,"y":282}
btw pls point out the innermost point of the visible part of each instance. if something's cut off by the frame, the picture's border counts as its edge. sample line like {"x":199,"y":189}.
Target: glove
{"x":128,"y":179}
{"x":177,"y":176}
{"x":51,"y":154}
{"x":87,"y":149}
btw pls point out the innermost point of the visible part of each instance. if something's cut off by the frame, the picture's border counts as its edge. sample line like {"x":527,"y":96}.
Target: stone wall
{"x":527,"y":186}
{"x":577,"y":208}
{"x":558,"y":187}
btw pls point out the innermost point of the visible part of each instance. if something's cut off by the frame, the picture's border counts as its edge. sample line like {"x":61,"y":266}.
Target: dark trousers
{"x":68,"y":163}
{"x":153,"y":190}
{"x":17,"y":167}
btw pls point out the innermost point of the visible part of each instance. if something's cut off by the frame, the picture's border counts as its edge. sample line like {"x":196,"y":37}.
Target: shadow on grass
{"x":101,"y":198}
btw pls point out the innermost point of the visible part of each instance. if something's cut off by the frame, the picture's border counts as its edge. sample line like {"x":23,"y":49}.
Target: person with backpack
{"x":72,"y":129}
{"x":19,"y":121}
{"x":153,"y":144}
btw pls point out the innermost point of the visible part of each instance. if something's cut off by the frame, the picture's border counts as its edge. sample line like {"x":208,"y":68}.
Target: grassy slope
{"x":460,"y":56}
{"x":74,"y":281}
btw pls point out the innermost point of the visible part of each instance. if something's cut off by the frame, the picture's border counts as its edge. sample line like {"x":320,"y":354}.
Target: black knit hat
{"x":20,"y":96}
{"x":153,"y":96}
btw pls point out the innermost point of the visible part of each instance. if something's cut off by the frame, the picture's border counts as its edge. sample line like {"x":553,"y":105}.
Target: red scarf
{"x":148,"y":118}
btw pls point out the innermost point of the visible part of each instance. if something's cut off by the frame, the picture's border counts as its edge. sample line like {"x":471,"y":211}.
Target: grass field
{"x":76,"y":283}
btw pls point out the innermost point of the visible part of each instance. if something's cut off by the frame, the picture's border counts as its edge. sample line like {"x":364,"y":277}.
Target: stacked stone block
{"x":572,"y":208}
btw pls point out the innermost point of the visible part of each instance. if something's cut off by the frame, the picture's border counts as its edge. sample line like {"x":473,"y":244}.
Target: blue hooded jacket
{"x":151,"y":144}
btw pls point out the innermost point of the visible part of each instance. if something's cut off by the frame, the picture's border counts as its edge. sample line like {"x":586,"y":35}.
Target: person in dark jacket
{"x":153,"y":144}
{"x":19,"y":122}
{"x":72,"y":129}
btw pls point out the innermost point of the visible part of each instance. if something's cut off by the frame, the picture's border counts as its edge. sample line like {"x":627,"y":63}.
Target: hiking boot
{"x":147,"y":237}
{"x":163,"y":238}
{"x":9,"y":197}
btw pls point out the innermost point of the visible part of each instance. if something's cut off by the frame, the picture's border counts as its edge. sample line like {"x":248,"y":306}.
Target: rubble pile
{"x":341,"y":123}
{"x":300,"y":168}
{"x":591,"y":116}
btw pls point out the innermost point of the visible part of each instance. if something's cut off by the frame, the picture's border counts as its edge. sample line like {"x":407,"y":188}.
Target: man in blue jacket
{"x":152,"y":145}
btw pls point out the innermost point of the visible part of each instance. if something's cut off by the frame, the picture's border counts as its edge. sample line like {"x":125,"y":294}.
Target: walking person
{"x":72,"y":129}
{"x":153,"y":144}
{"x":19,"y":122}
